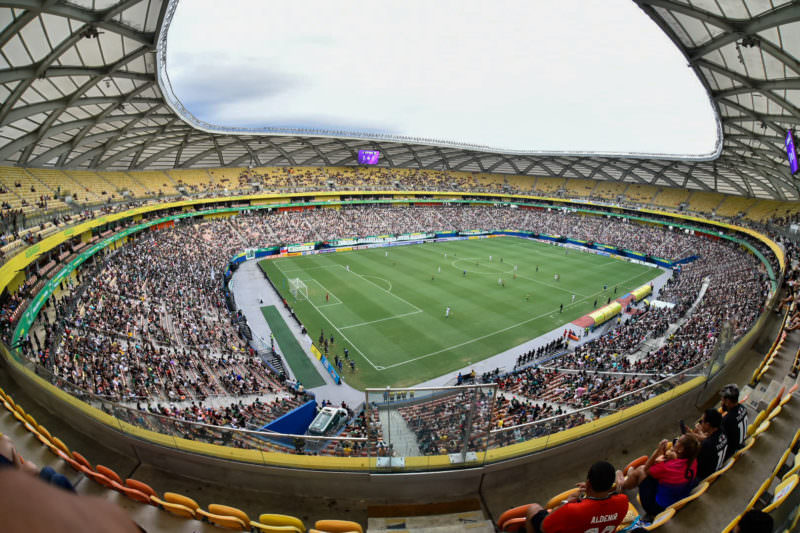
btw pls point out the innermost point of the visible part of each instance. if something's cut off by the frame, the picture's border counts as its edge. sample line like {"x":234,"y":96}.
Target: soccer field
{"x":387,"y":305}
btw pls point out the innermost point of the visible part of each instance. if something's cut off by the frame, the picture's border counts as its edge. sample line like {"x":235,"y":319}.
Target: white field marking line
{"x":338,"y":300}
{"x":511,"y":272}
{"x":503,"y":329}
{"x":611,"y":262}
{"x":323,"y":315}
{"x":380,"y":320}
{"x":384,"y":290}
{"x":305,"y":269}
{"x":453,"y":264}
{"x":380,"y":278}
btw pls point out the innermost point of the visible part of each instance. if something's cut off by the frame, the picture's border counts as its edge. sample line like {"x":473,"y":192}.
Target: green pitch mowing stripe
{"x":302,"y":367}
{"x":388,"y":308}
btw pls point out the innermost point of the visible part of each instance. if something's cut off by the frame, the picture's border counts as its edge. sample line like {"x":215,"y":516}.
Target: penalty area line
{"x":323,"y":315}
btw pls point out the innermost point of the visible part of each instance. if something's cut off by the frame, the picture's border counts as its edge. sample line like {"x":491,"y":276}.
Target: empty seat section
{"x":704,"y":202}
{"x":580,"y":188}
{"x":96,"y":187}
{"x":609,"y":190}
{"x":671,"y":198}
{"x":640,"y":194}
{"x":156,"y":181}
{"x":549,"y":186}
{"x":732,"y":206}
{"x":123,"y":182}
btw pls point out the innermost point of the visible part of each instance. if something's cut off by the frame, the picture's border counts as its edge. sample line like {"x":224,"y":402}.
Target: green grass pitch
{"x":389,"y":308}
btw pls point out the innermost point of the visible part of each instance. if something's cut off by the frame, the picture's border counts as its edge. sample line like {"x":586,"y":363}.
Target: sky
{"x":509,"y":75}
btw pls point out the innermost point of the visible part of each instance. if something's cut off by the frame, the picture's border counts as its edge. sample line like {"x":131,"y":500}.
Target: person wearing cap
{"x":600,"y":507}
{"x":734,"y":423}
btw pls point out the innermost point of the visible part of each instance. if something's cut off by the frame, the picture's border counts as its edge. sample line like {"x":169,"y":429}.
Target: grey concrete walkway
{"x":252,"y":292}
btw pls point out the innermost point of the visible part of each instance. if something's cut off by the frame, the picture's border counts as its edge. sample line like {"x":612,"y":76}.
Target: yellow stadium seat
{"x":630,"y":516}
{"x":61,"y":446}
{"x":660,"y":519}
{"x":714,"y":475}
{"x":226,"y":516}
{"x":757,"y":422}
{"x":782,"y":491}
{"x":556,"y":500}
{"x":698,"y":491}
{"x":762,"y":428}
{"x":225,"y":521}
{"x":44,"y":435}
{"x":730,"y":527}
{"x":177,"y":504}
{"x":513,"y":519}
{"x":281,"y":520}
{"x":795,"y":439}
{"x":264,"y":528}
{"x":789,"y":395}
{"x":775,"y":412}
{"x":774,"y":402}
{"x":747,"y":445}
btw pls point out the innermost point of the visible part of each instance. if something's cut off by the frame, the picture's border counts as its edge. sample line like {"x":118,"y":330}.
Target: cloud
{"x":512,"y":74}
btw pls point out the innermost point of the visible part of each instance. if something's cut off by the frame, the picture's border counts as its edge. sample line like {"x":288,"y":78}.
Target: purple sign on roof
{"x":368,"y":157}
{"x":791,"y":151}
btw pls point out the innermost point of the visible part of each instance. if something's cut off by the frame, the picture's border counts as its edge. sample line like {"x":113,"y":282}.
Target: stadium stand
{"x":734,"y":206}
{"x":580,"y":188}
{"x":704,"y":202}
{"x":96,"y":188}
{"x":125,"y":182}
{"x":609,"y":190}
{"x":640,"y":194}
{"x":230,"y":178}
{"x":193,"y":180}
{"x":155,"y":181}
{"x":671,"y":198}
{"x":548,"y":186}
{"x":507,"y":411}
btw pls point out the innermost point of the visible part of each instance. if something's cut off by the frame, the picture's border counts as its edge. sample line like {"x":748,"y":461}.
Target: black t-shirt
{"x":734,"y":425}
{"x":713,"y":452}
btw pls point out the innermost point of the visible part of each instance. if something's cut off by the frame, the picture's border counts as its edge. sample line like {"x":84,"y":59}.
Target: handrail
{"x":599,"y":405}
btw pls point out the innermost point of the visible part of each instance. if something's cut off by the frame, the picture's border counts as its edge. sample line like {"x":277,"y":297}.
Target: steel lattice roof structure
{"x":83,"y":84}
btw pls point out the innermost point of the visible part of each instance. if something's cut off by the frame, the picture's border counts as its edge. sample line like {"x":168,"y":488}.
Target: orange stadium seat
{"x":338,"y":526}
{"x":513,"y":519}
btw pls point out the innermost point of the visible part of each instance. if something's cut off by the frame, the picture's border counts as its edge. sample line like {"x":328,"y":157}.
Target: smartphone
{"x":684,"y":429}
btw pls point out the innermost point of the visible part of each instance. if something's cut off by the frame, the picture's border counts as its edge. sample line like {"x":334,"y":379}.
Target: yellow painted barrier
{"x":606,"y":313}
{"x":642,"y":292}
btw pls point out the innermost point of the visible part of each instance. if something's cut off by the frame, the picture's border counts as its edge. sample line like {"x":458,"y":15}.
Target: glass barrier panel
{"x":420,"y":429}
{"x":535,"y":418}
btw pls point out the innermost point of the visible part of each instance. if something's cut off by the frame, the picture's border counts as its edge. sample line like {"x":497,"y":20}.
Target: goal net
{"x":298,"y":289}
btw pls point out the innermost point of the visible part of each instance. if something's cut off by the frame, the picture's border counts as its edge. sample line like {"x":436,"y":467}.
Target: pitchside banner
{"x":377,"y":239}
{"x":296,"y":248}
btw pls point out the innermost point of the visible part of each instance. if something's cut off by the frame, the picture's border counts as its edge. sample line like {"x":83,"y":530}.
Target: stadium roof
{"x":81,"y":87}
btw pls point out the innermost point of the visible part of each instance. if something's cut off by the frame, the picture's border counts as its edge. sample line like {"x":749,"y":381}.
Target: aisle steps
{"x":472,"y":521}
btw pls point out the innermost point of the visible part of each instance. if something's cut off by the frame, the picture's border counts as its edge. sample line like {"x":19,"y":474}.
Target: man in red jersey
{"x":599,"y":510}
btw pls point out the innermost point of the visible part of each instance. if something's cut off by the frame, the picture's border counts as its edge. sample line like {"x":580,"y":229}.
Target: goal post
{"x":298,"y":289}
